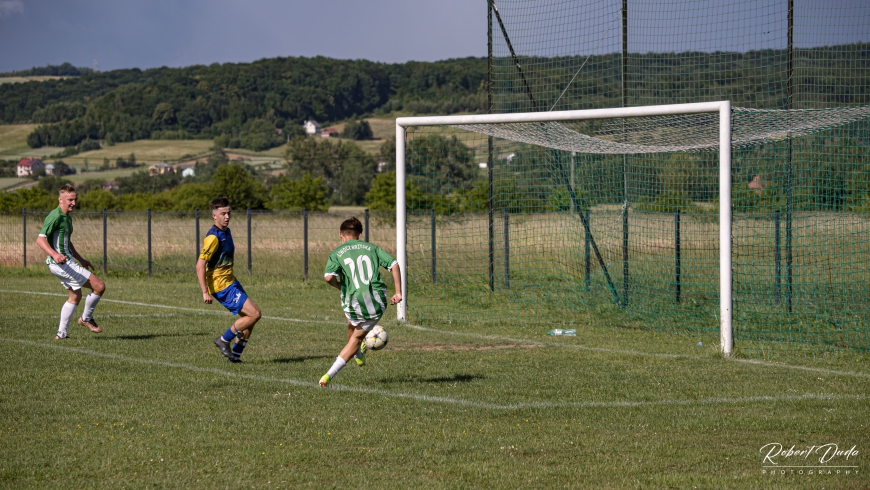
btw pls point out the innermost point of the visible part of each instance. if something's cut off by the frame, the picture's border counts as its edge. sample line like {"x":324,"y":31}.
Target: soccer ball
{"x":377,"y":338}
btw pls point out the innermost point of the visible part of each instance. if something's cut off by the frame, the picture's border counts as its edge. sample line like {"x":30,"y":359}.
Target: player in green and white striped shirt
{"x":354,"y":268}
{"x":67,"y":265}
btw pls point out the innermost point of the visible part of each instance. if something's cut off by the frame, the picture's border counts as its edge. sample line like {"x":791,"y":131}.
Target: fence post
{"x":507,"y":251}
{"x":777,"y":258}
{"x":198,"y":243}
{"x":24,"y":234}
{"x":149,"y":243}
{"x":625,"y":254}
{"x":249,"y":241}
{"x":432,"y":214}
{"x":305,"y":243}
{"x":105,"y":242}
{"x":367,"y":224}
{"x":588,"y":258}
{"x":677,"y":265}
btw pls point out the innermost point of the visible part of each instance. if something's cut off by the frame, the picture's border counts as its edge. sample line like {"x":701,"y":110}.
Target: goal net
{"x":617,"y":216}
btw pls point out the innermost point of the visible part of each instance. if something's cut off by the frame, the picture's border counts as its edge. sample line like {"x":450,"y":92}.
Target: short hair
{"x":66,"y":189}
{"x":220,"y":202}
{"x":351,"y":226}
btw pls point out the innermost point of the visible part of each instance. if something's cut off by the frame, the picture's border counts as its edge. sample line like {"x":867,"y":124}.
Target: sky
{"x":153,"y":33}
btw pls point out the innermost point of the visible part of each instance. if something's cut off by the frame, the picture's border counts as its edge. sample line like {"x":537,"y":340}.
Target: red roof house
{"x":30,"y":166}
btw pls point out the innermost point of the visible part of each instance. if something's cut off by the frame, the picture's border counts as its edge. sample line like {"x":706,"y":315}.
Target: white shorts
{"x":71,"y":274}
{"x":366,"y":325}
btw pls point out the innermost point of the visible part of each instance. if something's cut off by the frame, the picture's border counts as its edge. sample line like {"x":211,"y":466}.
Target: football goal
{"x":669,"y":218}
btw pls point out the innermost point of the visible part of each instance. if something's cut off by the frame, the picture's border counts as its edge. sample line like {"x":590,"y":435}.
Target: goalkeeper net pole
{"x":543,"y":129}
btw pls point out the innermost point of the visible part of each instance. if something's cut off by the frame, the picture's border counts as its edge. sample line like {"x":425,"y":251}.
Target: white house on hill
{"x":30,"y":166}
{"x":311,"y":127}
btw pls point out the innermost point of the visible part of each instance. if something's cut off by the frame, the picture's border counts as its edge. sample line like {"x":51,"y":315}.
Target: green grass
{"x":10,"y":181}
{"x":150,"y":402}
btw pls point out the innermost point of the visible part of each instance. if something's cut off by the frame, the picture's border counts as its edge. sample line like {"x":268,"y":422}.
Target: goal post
{"x":722,"y":108}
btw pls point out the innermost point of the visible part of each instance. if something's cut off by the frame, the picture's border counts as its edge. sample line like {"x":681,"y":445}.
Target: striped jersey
{"x":357,"y":265}
{"x":217,"y":252}
{"x":57,"y":228}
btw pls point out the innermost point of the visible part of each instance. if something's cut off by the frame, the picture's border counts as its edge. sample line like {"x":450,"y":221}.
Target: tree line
{"x":244,"y":102}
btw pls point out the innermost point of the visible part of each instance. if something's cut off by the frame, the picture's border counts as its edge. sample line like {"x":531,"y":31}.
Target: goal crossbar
{"x":723,"y":108}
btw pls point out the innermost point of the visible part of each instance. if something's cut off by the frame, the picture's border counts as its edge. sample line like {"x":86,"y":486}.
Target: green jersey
{"x":57,"y":228}
{"x":357,"y":265}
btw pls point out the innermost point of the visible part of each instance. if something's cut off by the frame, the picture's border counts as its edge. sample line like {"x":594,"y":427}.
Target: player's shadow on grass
{"x":410,"y":378}
{"x":149,"y":336}
{"x":288,"y":360}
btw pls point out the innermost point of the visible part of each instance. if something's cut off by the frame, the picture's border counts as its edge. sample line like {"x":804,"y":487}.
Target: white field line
{"x":448,"y":400}
{"x":495,"y":337}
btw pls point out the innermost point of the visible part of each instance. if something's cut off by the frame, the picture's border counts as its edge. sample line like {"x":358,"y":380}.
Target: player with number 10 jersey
{"x":357,"y":265}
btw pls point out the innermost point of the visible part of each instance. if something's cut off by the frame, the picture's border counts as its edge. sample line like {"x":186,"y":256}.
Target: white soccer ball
{"x":377,"y":338}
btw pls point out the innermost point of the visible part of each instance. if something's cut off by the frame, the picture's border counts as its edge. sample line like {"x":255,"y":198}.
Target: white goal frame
{"x":721,"y":107}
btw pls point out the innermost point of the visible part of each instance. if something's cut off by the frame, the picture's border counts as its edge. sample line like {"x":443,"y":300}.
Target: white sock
{"x":336,"y":367}
{"x":65,"y":314}
{"x":90,"y":303}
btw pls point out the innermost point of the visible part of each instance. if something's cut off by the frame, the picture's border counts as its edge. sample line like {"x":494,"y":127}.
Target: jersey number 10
{"x":365,"y":273}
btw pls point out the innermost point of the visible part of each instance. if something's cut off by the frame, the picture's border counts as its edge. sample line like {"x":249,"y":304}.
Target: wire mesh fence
{"x":291,"y":244}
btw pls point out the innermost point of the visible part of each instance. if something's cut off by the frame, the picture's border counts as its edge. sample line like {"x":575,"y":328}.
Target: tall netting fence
{"x":285,"y":244}
{"x":612,"y":53}
{"x":637,"y":245}
{"x":800,"y":73}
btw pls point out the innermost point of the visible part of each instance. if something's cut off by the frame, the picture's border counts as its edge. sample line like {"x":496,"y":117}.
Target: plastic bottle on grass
{"x":563,"y":333}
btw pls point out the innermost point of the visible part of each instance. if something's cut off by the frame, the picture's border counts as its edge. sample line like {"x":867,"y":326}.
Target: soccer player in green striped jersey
{"x":354,"y":268}
{"x":67,"y":265}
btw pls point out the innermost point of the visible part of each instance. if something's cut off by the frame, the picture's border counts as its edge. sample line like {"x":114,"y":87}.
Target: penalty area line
{"x":449,"y":400}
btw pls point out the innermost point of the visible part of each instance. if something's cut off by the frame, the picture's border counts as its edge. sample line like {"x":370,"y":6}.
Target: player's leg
{"x":249,"y":315}
{"x":360,"y":355}
{"x":352,"y":347}
{"x":67,"y":311}
{"x":97,"y":288}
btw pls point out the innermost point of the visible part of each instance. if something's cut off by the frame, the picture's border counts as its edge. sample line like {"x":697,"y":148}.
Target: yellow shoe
{"x":325,"y":380}
{"x":360,"y":357}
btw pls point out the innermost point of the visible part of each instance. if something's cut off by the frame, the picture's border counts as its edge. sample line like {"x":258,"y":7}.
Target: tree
{"x":344,"y":166}
{"x":440,"y":164}
{"x":52,"y":183}
{"x":387,"y":154}
{"x":98,"y":199}
{"x":306,"y":193}
{"x":61,"y":169}
{"x":236,"y":183}
{"x":382,"y":195}
{"x":357,"y":130}
{"x":164,"y":115}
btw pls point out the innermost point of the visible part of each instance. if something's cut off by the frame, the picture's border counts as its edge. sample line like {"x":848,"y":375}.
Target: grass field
{"x":150,"y":402}
{"x":10,"y":181}
{"x":29,"y":79}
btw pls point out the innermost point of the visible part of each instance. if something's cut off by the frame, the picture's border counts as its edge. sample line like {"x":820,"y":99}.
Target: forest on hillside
{"x":246,"y":103}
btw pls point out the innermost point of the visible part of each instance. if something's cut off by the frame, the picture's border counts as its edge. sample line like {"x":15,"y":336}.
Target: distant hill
{"x":245,"y":104}
{"x":63,"y":70}
{"x":236,"y":99}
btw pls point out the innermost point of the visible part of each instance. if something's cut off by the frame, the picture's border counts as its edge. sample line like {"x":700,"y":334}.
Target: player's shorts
{"x":366,"y":325}
{"x":233,"y":297}
{"x":71,"y":274}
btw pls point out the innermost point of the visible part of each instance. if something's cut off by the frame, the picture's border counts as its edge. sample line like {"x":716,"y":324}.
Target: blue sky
{"x":152,"y":33}
{"x":145,"y":34}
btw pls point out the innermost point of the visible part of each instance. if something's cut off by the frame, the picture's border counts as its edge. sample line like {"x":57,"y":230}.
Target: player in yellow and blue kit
{"x":214,"y":269}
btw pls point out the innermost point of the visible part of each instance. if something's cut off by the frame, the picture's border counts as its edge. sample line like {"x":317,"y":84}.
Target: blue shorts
{"x":233,"y":297}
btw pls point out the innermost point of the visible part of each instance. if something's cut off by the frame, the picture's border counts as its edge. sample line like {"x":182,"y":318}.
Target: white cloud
{"x":9,"y":7}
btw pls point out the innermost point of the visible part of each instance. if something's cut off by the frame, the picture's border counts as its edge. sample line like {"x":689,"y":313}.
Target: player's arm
{"x":200,"y":276}
{"x":81,"y":260}
{"x":397,"y":280}
{"x":42,"y":243}
{"x":209,"y":247}
{"x":332,"y":280}
{"x":330,"y":274}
